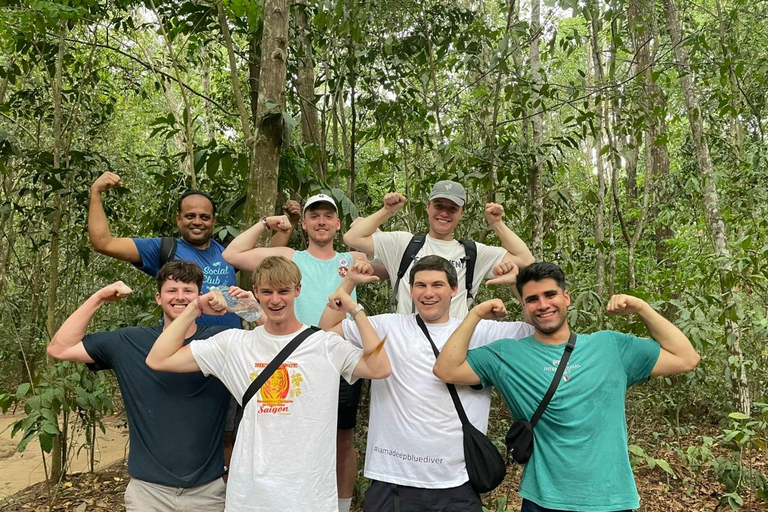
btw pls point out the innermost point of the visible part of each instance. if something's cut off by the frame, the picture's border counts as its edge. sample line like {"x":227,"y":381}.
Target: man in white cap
{"x":322,"y":270}
{"x":399,"y":250}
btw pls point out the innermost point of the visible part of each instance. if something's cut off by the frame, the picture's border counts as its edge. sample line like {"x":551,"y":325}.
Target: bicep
{"x":122,"y":249}
{"x":668,"y":364}
{"x":75,"y":353}
{"x":181,"y":362}
{"x":462,"y":374}
{"x":252,"y":258}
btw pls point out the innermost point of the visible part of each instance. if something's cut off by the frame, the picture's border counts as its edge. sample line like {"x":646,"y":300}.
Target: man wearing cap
{"x":445,"y":208}
{"x":322,"y":270}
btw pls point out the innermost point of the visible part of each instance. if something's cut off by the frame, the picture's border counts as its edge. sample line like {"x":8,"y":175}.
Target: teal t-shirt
{"x":319,"y":279}
{"x":580,"y":460}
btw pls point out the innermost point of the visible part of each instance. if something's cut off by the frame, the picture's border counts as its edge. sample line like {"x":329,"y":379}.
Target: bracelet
{"x":355,"y":311}
{"x":200,"y":306}
{"x":264,"y":222}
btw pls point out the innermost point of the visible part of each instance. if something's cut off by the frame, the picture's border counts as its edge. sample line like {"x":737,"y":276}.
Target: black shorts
{"x":349,"y":401}
{"x":386,"y":497}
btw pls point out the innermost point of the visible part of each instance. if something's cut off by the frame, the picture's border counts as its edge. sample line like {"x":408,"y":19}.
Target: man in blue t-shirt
{"x":195,"y":219}
{"x":176,"y":421}
{"x":322,"y":270}
{"x":580,"y":460}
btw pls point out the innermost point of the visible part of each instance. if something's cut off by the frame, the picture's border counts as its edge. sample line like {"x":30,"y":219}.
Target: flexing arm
{"x":67,"y":343}
{"x":360,"y":234}
{"x":169,"y":354}
{"x":677,"y":354}
{"x":374,"y":363}
{"x":283,"y":235}
{"x":99,"y":235}
{"x":517,"y":251}
{"x":242,"y":254}
{"x":451,"y":365}
{"x":361,"y":271}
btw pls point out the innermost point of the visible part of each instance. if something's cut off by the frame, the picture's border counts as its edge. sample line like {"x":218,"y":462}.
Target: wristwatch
{"x":355,"y":311}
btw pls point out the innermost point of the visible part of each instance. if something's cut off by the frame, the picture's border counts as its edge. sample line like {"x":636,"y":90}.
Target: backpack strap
{"x":470,"y":251}
{"x":167,"y":249}
{"x":273,"y":365}
{"x":413,"y":247}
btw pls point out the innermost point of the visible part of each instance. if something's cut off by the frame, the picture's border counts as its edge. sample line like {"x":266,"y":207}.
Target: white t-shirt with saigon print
{"x":285,"y":452}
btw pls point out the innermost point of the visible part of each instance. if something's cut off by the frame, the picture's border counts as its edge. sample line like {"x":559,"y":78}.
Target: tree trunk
{"x":535,"y":191}
{"x":270,"y":128}
{"x":58,"y":458}
{"x":724,"y":262}
{"x":595,"y":158}
{"x":305,"y":86}
{"x":642,"y":25}
{"x":254,"y":72}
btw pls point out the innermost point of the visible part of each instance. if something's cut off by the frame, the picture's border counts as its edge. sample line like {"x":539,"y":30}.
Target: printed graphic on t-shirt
{"x":277,"y":395}
{"x":458,"y":264}
{"x":568,"y":369}
{"x":343,"y":267}
{"x":215,"y":275}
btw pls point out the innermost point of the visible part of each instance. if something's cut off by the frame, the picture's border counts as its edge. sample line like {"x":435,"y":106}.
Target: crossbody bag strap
{"x":451,"y":387}
{"x":555,"y":381}
{"x":275,"y":364}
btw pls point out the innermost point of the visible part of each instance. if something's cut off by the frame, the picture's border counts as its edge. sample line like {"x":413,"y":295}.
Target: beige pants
{"x":141,"y":496}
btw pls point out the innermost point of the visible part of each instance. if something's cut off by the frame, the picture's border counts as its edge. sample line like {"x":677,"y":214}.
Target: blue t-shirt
{"x":216,"y":271}
{"x":580,"y":460}
{"x":319,"y":279}
{"x":176,"y":420}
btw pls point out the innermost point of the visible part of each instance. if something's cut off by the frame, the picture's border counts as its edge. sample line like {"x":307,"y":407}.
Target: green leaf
{"x":738,"y":416}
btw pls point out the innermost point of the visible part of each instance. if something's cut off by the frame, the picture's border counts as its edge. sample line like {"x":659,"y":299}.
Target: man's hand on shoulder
{"x":626,"y":305}
{"x":394,"y":202}
{"x":106,"y":181}
{"x":493,"y":309}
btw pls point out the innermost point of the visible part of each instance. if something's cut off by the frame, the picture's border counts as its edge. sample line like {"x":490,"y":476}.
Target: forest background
{"x":625,"y":139}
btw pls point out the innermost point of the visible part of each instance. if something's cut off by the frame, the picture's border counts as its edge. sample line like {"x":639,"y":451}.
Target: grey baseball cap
{"x":450,"y":190}
{"x":320,"y":198}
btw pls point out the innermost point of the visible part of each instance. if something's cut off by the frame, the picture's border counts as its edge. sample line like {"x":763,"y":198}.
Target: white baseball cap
{"x":320,"y":198}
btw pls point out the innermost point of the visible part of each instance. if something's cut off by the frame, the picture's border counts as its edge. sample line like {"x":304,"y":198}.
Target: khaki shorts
{"x":141,"y":496}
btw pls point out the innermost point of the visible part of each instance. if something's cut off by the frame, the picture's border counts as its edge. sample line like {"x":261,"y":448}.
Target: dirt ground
{"x":689,"y":491}
{"x":20,"y":470}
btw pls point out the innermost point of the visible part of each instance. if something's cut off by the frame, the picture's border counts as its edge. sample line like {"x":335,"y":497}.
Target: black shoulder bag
{"x":519,"y":438}
{"x":485,"y":465}
{"x":273,"y":365}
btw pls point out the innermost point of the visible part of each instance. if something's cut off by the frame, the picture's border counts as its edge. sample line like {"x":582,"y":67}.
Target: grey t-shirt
{"x":176,"y":420}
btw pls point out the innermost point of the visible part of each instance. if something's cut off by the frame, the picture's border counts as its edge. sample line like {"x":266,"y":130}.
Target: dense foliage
{"x":626,"y":144}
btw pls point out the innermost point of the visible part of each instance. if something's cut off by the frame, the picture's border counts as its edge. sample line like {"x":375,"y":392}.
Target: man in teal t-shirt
{"x":322,"y":270}
{"x":580,"y":460}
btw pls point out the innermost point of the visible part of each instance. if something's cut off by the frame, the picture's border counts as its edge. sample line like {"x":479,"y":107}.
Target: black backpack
{"x":167,"y":250}
{"x":413,"y":247}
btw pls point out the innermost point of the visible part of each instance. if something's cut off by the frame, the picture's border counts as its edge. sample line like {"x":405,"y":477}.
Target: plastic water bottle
{"x":246,"y":308}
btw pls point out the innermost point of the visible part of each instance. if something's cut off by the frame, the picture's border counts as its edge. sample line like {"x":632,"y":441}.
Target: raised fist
{"x":106,"y":181}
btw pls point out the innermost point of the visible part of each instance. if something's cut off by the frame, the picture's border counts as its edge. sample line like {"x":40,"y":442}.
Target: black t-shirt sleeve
{"x":101,"y":347}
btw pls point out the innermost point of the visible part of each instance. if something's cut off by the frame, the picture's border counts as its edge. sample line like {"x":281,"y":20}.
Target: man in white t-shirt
{"x":445,"y":208}
{"x":415,"y":454}
{"x":284,"y":455}
{"x":322,"y":269}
